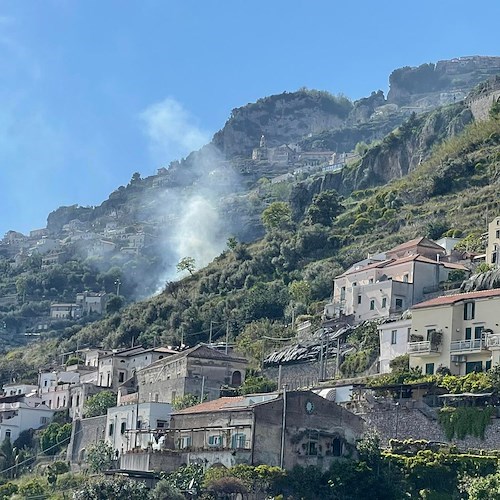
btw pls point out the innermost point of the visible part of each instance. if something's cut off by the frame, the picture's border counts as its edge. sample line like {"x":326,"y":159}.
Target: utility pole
{"x":283,"y":428}
{"x":227,"y":334}
{"x":118,"y":283}
{"x":210,"y":334}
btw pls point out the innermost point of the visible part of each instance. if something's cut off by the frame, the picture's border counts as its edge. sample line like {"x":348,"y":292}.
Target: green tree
{"x":181,"y":402}
{"x":256,"y":385}
{"x":325,"y":206}
{"x":99,"y":403}
{"x":186,"y":264}
{"x":99,"y":456}
{"x":117,"y":488}
{"x":300,"y":291}
{"x":232,"y":243}
{"x":114,"y":304}
{"x":7,"y":456}
{"x":54,"y":437}
{"x":164,"y":490}
{"x":277,"y":215}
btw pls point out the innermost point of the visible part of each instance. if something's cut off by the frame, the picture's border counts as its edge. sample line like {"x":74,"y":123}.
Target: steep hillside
{"x":292,"y":267}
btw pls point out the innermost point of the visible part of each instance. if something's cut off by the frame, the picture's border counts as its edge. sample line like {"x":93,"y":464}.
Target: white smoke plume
{"x":190,"y":205}
{"x":172,"y":130}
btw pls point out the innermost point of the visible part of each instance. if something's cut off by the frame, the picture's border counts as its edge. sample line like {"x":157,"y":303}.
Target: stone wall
{"x":85,"y":432}
{"x":480,"y":106}
{"x":300,"y":375}
{"x":411,"y":423}
{"x":167,"y":461}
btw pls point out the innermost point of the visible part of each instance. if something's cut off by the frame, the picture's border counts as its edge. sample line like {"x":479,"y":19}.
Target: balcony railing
{"x":493,"y":340}
{"x":467,"y":345}
{"x":422,"y":347}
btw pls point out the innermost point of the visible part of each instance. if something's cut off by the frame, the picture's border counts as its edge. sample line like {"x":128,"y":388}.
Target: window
{"x":399,"y":303}
{"x":44,"y":420}
{"x":336,"y":447}
{"x":8,"y":433}
{"x":111,"y":429}
{"x":468,"y":333}
{"x":488,"y":365}
{"x":473,"y":366}
{"x":121,"y":377}
{"x":342,"y":293}
{"x":139,"y":424}
{"x":370,"y":281}
{"x":408,"y":336}
{"x":478,"y":332}
{"x":185,"y":442}
{"x":359,"y":299}
{"x":469,"y":309}
{"x":355,"y":284}
{"x":384,"y":302}
{"x":161,"y":424}
{"x":214,"y":440}
{"x":497,"y":234}
{"x":123,"y":426}
{"x":405,"y":278}
{"x":394,"y":337}
{"x":238,"y":440}
{"x":429,"y":368}
{"x":372,"y":304}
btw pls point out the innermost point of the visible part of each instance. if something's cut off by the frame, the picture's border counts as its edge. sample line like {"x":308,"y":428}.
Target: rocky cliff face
{"x":282,"y":119}
{"x":430,"y":85}
{"x":398,"y":154}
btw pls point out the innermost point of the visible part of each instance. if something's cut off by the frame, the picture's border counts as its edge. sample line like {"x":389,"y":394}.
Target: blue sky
{"x":94,"y":90}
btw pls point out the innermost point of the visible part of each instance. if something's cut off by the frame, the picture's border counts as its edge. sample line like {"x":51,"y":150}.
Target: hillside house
{"x":388,"y":284}
{"x":198,"y":370}
{"x":250,"y":430}
{"x":118,"y":366}
{"x":19,"y":416}
{"x":65,"y":311}
{"x":459,"y":331}
{"x":91,"y":302}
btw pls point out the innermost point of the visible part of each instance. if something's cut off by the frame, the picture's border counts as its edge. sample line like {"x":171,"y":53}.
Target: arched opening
{"x":236,"y":379}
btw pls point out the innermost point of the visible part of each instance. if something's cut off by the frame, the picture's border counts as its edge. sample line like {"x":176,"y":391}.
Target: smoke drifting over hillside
{"x":188,"y":208}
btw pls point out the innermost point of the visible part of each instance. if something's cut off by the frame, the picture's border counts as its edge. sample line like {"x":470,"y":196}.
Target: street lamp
{"x":118,"y":283}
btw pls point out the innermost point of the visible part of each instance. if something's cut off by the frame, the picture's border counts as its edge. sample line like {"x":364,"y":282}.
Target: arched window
{"x":236,"y":379}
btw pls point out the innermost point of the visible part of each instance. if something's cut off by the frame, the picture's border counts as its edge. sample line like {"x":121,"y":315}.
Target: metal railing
{"x":493,"y":340}
{"x":467,"y":345}
{"x":422,"y":347}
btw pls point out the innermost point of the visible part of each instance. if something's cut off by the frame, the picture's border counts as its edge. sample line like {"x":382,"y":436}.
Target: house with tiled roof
{"x":390,"y":283}
{"x":279,"y":429}
{"x":460,"y":332}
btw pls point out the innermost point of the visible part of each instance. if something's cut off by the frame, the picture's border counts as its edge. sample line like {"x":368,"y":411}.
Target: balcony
{"x":467,"y":346}
{"x":493,"y":341}
{"x":423,"y":347}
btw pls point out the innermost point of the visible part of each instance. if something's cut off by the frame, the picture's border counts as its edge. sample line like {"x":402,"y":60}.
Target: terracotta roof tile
{"x":453,"y":299}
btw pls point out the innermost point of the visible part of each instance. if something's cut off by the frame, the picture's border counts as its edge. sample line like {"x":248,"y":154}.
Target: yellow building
{"x":459,"y":331}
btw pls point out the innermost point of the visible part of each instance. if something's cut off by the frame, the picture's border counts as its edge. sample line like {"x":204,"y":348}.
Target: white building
{"x":14,"y":389}
{"x":136,"y":425}
{"x":21,"y":416}
{"x":394,"y":337}
{"x":91,"y":302}
{"x":65,"y":311}
{"x":385,"y":287}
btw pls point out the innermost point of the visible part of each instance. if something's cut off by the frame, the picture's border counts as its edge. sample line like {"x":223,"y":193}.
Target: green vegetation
{"x":465,"y":421}
{"x":99,"y":403}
